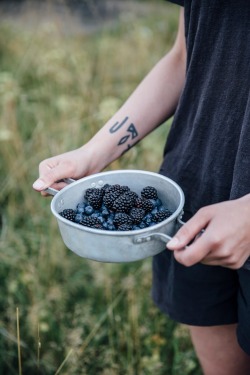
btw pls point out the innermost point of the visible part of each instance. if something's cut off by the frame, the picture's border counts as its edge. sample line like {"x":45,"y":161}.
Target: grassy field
{"x":60,"y":314}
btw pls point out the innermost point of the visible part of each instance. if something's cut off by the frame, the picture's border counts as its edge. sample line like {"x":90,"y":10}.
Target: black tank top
{"x":208,"y":147}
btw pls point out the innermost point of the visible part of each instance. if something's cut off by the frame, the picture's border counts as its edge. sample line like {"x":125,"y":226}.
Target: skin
{"x":218,"y":350}
{"x":226,"y":239}
{"x":152,"y":102}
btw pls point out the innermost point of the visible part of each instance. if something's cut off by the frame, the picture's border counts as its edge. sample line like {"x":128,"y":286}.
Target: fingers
{"x":194,"y":253}
{"x":189,"y":255}
{"x":227,"y":257}
{"x":51,"y":171}
{"x":224,"y":243}
{"x":57,"y":186}
{"x":190,"y":230}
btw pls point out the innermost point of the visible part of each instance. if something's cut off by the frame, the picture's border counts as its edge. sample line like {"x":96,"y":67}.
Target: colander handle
{"x":158,"y":236}
{"x":53,"y":191}
{"x":165,"y":238}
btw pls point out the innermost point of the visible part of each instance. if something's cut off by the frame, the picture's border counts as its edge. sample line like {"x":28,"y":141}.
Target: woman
{"x":204,"y":81}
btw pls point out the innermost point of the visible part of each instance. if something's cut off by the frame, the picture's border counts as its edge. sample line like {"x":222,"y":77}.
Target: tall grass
{"x":60,"y":314}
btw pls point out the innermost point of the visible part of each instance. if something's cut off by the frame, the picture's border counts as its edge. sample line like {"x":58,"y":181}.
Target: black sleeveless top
{"x":208,"y":147}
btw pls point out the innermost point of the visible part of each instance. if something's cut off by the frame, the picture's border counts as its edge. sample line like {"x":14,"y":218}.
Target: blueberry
{"x":158,"y":202}
{"x":110,"y":221}
{"x":111,"y":227}
{"x":154,"y":211}
{"x":147,"y":217}
{"x":105,"y":225}
{"x":153,"y":201}
{"x":162,"y":208}
{"x":151,"y":224}
{"x":112,"y":215}
{"x":100,"y":206}
{"x":88,"y":210}
{"x":101,"y":218}
{"x":105,"y":212}
{"x":78,"y":218}
{"x":95,"y":214}
{"x":80,"y":207}
{"x":136,"y":227}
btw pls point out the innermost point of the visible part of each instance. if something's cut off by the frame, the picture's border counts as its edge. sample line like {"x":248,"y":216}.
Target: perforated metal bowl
{"x":116,"y":246}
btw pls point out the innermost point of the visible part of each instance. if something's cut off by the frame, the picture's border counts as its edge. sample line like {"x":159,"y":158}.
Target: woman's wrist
{"x":94,"y":154}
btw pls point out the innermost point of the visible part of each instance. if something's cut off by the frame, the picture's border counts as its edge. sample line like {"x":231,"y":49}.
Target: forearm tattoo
{"x":129,"y":133}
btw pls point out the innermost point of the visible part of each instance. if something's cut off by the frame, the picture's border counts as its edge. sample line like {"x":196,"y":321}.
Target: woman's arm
{"x":152,"y":102}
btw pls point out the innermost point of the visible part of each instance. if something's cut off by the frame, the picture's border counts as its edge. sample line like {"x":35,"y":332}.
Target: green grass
{"x":75,"y":316}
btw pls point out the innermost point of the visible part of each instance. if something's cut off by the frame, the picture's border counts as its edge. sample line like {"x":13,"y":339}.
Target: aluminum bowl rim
{"x":177,"y":213}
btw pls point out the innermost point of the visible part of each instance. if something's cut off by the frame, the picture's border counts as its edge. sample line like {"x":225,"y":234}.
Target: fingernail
{"x":39,"y":185}
{"x":174,"y":242}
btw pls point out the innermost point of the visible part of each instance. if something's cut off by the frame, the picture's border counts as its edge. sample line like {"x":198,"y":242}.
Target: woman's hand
{"x":225,"y":241}
{"x":73,"y":164}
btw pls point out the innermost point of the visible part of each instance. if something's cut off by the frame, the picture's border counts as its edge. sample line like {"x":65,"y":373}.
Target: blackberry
{"x":116,"y":207}
{"x":143,"y":203}
{"x":104,"y":188}
{"x":154,"y":202}
{"x":121,"y":218}
{"x":162,"y":215}
{"x":149,"y":192}
{"x":124,"y":227}
{"x":139,"y":202}
{"x":68,"y":214}
{"x":95,"y":199}
{"x":123,"y":203}
{"x":133,"y":196}
{"x":109,"y":198}
{"x":125,"y":188}
{"x":137,"y":214}
{"x":113,"y":188}
{"x":117,"y":189}
{"x":91,"y":222}
{"x":91,"y":191}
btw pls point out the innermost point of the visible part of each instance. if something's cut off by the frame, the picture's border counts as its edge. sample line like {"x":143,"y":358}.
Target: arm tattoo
{"x":131,"y":133}
{"x":117,"y":125}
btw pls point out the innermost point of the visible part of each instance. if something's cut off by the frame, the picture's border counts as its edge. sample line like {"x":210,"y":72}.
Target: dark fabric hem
{"x":199,"y":322}
{"x":243,"y":342}
{"x":178,"y":2}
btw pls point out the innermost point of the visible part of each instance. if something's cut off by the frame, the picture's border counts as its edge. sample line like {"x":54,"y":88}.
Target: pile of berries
{"x":117,"y":208}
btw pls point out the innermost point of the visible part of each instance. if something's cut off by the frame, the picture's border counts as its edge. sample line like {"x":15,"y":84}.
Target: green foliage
{"x":75,"y":316}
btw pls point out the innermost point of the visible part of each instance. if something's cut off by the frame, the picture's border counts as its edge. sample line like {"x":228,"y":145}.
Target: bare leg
{"x":218,"y":350}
